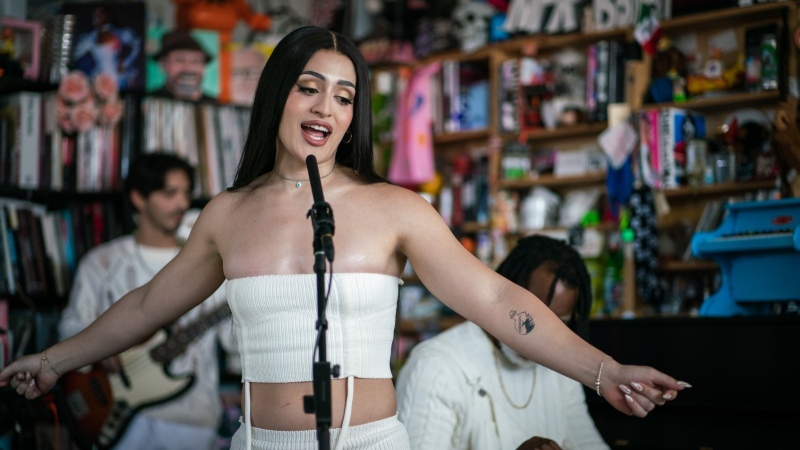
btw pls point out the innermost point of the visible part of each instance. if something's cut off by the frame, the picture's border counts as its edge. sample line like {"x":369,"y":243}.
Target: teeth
{"x":318,"y":128}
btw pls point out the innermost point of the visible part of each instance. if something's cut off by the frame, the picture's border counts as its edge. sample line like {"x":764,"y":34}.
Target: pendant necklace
{"x":298,"y":183}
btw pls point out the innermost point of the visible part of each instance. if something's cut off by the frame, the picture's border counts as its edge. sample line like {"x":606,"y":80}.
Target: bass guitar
{"x":102,"y":404}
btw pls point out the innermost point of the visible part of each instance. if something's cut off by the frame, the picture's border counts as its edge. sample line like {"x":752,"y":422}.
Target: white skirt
{"x":385,"y":434}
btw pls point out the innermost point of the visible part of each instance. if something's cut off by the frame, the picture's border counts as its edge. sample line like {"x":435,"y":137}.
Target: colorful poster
{"x":109,"y":39}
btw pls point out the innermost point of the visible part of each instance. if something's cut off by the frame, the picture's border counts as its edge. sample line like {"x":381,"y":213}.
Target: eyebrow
{"x":322,"y":77}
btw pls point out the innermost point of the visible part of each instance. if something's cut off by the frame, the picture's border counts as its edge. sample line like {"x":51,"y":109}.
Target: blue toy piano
{"x":757,"y":247}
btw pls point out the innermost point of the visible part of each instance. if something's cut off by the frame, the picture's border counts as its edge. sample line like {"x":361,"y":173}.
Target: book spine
{"x":509,"y":96}
{"x":666,"y":148}
{"x":591,"y":80}
{"x":10,"y":254}
{"x":601,"y":81}
{"x":42,"y":265}
{"x":5,"y":344}
{"x":24,"y":241}
{"x":30,"y":139}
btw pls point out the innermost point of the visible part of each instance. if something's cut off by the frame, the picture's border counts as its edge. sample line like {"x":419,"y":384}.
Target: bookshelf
{"x":685,"y":203}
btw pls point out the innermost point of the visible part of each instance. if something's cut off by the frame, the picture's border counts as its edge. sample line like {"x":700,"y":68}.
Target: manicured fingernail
{"x":624,"y":389}
{"x":667,"y":396}
{"x":684,"y":384}
{"x":20,"y":376}
{"x":637,"y":386}
{"x":628,"y":398}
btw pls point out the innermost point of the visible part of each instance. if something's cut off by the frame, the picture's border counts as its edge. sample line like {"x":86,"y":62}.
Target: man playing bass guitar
{"x":149,"y":407}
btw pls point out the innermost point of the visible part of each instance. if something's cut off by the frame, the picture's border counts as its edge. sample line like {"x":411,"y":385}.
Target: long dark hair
{"x":276,"y":82}
{"x":565,"y":263}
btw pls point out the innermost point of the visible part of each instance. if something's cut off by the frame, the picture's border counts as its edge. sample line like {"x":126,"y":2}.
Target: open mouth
{"x":317,"y":132}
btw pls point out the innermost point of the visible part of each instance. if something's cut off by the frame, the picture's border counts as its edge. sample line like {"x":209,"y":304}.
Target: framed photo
{"x":20,"y":47}
{"x":109,"y":38}
{"x":183,"y":64}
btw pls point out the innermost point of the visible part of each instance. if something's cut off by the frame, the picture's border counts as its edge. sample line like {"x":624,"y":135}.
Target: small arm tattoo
{"x":523,"y":322}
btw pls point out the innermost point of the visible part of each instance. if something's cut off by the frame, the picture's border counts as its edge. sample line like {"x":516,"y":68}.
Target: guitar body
{"x":103,"y":404}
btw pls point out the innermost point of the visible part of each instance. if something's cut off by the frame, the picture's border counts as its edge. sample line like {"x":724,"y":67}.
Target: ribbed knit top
{"x":274,"y":318}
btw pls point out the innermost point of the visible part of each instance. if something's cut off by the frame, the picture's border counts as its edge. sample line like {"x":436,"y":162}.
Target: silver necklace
{"x":298,"y":182}
{"x":503,"y":386}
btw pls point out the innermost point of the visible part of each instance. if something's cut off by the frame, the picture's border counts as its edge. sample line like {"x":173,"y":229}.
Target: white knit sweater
{"x":450,"y":397}
{"x":109,"y":271}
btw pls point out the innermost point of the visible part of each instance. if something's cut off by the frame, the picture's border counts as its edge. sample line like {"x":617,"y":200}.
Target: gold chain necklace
{"x":503,"y":386}
{"x":298,"y":182}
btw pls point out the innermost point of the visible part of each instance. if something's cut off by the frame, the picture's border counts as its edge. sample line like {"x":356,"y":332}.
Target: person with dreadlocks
{"x":464,"y":389}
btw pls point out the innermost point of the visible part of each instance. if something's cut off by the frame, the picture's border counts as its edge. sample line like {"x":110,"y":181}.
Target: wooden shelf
{"x":9,"y":86}
{"x":720,"y":189}
{"x":544,"y":42}
{"x":582,"y":130}
{"x":49,"y":196}
{"x":474,"y":227}
{"x":452,"y":138}
{"x":602,"y":228}
{"x":726,"y":17}
{"x":687,"y":266}
{"x":553,"y":181}
{"x":721,"y":18}
{"x":723,"y":100}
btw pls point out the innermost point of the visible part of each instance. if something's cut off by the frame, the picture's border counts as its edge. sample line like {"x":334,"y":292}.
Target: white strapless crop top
{"x":274,"y":318}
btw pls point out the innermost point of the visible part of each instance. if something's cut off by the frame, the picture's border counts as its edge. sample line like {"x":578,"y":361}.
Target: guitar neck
{"x":180,"y":338}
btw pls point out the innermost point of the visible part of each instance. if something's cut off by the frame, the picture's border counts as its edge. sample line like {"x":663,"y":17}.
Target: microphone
{"x":321,"y":213}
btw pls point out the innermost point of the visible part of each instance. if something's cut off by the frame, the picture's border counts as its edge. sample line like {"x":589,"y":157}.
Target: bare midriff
{"x":279,"y":406}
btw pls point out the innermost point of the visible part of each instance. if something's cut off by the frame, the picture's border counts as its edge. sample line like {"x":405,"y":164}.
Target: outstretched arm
{"x":184,"y":283}
{"x":516,"y":317}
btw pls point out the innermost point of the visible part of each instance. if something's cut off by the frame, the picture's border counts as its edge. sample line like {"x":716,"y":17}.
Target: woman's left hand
{"x":637,"y":390}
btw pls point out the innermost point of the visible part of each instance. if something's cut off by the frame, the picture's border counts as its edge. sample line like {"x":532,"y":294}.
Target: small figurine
{"x":715,"y":76}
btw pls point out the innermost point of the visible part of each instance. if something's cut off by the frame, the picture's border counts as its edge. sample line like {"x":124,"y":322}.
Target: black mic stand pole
{"x":320,"y":403}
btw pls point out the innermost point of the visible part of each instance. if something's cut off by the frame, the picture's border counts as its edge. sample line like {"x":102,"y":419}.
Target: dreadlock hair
{"x":563,"y":261}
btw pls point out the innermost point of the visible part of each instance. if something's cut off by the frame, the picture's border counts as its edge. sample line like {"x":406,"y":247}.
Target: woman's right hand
{"x":30,"y":376}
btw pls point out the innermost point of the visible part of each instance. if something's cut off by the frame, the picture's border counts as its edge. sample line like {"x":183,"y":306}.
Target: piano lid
{"x":753,"y":226}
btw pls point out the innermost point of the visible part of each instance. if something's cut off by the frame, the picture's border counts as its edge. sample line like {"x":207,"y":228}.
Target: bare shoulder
{"x":396,"y":199}
{"x":401,"y":210}
{"x":217,"y":213}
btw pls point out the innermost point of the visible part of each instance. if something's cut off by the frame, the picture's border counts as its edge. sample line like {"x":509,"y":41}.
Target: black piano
{"x":745,"y":376}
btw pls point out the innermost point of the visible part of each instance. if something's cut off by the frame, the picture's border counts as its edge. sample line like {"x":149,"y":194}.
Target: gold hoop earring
{"x":349,"y":137}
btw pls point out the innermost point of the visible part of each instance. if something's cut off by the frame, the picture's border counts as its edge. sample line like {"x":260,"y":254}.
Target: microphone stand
{"x":322,"y":220}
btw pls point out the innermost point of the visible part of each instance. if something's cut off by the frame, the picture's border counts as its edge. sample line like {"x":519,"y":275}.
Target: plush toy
{"x":220,"y":16}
